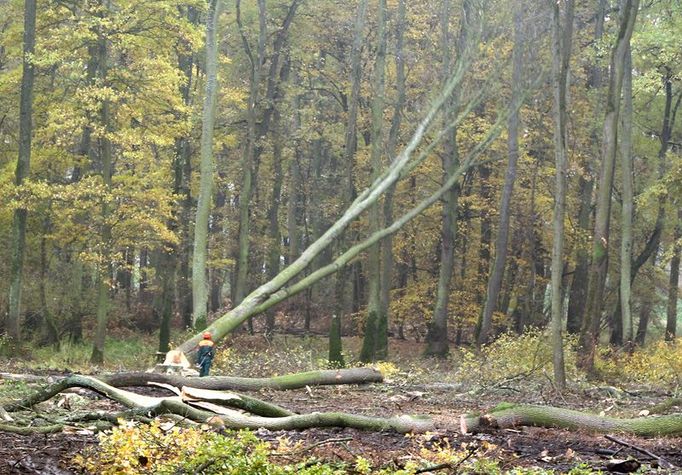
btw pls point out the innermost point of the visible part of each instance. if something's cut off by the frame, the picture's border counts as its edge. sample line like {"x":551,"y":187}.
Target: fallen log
{"x":234,"y":400}
{"x":501,"y":417}
{"x":229,"y":418}
{"x":363,"y":375}
{"x":506,"y":416}
{"x":289,"y":381}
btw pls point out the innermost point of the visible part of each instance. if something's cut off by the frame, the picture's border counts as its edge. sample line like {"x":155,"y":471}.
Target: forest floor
{"x":430,"y":394}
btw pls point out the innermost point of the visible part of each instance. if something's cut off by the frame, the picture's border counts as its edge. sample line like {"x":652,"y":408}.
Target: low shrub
{"x":514,"y":357}
{"x":658,"y":364}
{"x":150,"y":449}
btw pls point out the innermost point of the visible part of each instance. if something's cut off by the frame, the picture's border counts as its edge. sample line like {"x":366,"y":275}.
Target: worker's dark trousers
{"x":205,"y":367}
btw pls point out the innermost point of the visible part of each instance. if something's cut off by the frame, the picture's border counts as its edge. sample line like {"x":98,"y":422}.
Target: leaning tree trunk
{"x":402,"y":164}
{"x":22,"y":170}
{"x":274,"y":291}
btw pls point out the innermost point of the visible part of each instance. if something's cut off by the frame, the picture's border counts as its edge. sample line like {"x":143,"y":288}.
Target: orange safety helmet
{"x":207,"y":335}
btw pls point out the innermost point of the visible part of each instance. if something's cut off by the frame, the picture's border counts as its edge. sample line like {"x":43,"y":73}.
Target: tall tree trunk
{"x":105,"y":270}
{"x":295,"y":182}
{"x":674,"y":281}
{"x":562,"y":45}
{"x":495,"y":279}
{"x":600,"y":250}
{"x":393,"y":137}
{"x":350,"y":147}
{"x":275,"y":251}
{"x":199,"y":284}
{"x":653,"y":242}
{"x":578,"y":294}
{"x":240,"y":285}
{"x":51,"y":332}
{"x":182,"y":168}
{"x":22,"y":170}
{"x":437,"y":343}
{"x":375,"y":342}
{"x":628,"y":201}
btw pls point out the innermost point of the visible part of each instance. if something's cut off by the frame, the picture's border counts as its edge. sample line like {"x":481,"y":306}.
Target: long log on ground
{"x":287,"y":381}
{"x":509,"y":415}
{"x":238,"y":420}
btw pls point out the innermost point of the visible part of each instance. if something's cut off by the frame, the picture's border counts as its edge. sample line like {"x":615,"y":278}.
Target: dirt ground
{"x":557,"y":450}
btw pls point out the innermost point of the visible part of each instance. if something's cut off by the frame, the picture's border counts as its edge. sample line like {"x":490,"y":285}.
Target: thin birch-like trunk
{"x":628,"y":202}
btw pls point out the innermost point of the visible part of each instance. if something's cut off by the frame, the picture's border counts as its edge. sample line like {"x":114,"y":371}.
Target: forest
{"x":469,"y":211}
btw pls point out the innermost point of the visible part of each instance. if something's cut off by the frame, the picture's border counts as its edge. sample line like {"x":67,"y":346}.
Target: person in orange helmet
{"x":206,"y":354}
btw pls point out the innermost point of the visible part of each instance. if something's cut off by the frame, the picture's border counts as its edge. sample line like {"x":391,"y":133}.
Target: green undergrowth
{"x":164,"y":448}
{"x":658,"y":364}
{"x":131,"y":353}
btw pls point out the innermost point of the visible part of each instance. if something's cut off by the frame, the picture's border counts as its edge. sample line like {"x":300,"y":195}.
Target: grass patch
{"x":133,"y":353}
